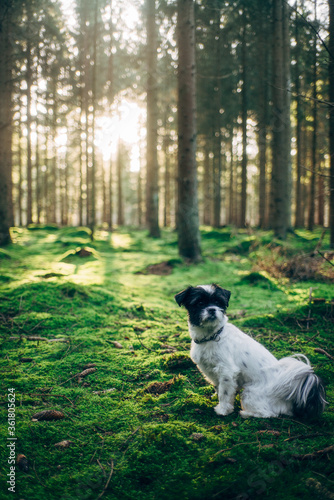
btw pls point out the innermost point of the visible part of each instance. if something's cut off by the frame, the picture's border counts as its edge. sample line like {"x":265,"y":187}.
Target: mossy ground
{"x":168,"y":445}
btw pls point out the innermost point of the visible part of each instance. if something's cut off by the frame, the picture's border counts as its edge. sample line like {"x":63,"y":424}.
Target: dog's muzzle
{"x":211,"y":313}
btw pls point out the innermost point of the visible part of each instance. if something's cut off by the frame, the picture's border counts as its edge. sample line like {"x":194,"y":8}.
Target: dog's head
{"x":206,"y":304}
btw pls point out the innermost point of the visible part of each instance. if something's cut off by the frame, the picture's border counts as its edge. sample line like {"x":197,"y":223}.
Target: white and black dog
{"x":231,"y":360}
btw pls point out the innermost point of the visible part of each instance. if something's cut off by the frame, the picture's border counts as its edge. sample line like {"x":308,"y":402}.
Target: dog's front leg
{"x":226,"y":391}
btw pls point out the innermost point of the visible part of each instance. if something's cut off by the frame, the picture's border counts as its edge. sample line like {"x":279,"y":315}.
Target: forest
{"x":145,"y":146}
{"x":92,"y":102}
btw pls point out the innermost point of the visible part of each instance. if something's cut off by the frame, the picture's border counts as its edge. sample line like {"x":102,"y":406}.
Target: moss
{"x":166,"y":445}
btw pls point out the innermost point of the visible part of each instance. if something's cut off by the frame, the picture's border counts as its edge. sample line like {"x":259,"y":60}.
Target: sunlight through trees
{"x":90,"y":116}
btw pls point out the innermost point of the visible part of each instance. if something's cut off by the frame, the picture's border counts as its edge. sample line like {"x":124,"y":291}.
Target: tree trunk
{"x":331,"y":119}
{"x":140,"y":198}
{"x":311,"y":213}
{"x":94,"y":101}
{"x":20,"y":179}
{"x":217,"y":161}
{"x":299,"y":119}
{"x":29,"y":119}
{"x":263,"y":117}
{"x":321,"y":198}
{"x":244,"y":126}
{"x":152,"y":193}
{"x":231,"y":217}
{"x":188,"y":222}
{"x":207,"y":185}
{"x":5,"y":125}
{"x":167,"y":200}
{"x":110,"y":197}
{"x":54,"y":177}
{"x":120,"y":210}
{"x":280,"y":182}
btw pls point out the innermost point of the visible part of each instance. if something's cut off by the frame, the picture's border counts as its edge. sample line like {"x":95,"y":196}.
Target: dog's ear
{"x":225,"y":294}
{"x":182,"y":297}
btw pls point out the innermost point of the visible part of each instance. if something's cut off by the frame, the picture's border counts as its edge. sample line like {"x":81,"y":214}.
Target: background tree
{"x":331,"y":118}
{"x":187,"y":221}
{"x":280,"y":196}
{"x":152,"y":193}
{"x":6,"y":11}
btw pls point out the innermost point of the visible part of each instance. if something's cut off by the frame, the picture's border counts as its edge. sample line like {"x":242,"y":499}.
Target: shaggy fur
{"x":231,"y":360}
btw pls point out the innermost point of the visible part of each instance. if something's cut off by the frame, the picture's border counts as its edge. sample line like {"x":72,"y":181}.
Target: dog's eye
{"x":199,"y":303}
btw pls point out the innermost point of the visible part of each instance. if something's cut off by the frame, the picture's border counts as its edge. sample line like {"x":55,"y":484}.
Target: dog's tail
{"x":299,"y":384}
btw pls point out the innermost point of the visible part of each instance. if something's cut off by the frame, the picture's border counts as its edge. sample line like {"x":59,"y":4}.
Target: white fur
{"x":235,"y":361}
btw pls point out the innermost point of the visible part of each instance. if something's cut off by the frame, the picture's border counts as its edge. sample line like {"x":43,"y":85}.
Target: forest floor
{"x":140,"y":424}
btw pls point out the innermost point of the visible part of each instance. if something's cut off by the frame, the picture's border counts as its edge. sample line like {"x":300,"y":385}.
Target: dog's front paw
{"x":223,"y":410}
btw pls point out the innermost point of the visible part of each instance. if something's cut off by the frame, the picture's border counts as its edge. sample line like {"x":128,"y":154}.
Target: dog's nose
{"x":212,"y":311}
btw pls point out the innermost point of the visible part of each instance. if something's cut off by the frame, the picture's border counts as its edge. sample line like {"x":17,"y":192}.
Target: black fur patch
{"x":195,"y":299}
{"x":315,"y":401}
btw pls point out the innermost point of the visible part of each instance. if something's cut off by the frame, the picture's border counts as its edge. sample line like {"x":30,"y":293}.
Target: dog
{"x":231,"y":360}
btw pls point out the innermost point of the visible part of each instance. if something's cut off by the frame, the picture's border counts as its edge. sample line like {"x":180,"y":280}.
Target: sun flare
{"x":125,"y":125}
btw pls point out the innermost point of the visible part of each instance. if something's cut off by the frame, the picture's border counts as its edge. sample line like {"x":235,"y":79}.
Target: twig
{"x":234,"y":446}
{"x":90,"y":461}
{"x":321,"y":351}
{"x":132,"y":434}
{"x":304,"y":436}
{"x":142,"y":342}
{"x":315,"y":454}
{"x":37,"y":476}
{"x":51,"y":396}
{"x":314,"y":336}
{"x":319,"y":489}
{"x":322,"y":255}
{"x":36,"y":339}
{"x":80,"y":375}
{"x":101,"y":467}
{"x":108,"y":481}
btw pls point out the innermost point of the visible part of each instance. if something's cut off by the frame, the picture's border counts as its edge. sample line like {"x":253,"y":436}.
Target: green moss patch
{"x":138,"y":415}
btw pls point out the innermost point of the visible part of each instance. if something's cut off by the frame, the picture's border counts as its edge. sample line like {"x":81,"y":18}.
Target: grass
{"x":142,"y":424}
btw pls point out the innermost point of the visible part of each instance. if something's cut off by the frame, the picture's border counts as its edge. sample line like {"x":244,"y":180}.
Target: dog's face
{"x":206,"y":304}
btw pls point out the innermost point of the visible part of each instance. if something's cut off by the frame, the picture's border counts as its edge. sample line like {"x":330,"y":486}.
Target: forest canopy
{"x":90,"y":113}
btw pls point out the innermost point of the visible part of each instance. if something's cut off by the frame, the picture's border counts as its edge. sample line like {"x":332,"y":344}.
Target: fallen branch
{"x":36,"y":339}
{"x":319,"y":489}
{"x":147,"y":348}
{"x":308,"y":340}
{"x":80,"y":375}
{"x":315,"y":454}
{"x":234,"y":446}
{"x":127,"y":440}
{"x":323,"y":256}
{"x":304,"y":436}
{"x":108,"y":481}
{"x":325,"y":353}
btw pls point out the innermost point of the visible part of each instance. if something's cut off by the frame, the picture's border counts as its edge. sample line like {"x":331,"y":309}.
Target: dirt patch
{"x":302,"y":267}
{"x":161,"y":269}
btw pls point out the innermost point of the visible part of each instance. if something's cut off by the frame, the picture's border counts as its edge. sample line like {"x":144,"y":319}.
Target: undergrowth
{"x":140,"y":424}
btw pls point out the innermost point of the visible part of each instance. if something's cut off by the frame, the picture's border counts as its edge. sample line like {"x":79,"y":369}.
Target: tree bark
{"x":110,"y":197}
{"x":281,"y":180}
{"x":299,"y":119}
{"x":331,"y":119}
{"x":244,"y":113}
{"x":263,"y":46}
{"x":94,"y":102}
{"x":29,"y":119}
{"x":207,"y":185}
{"x":217,"y":161}
{"x":152,"y":193}
{"x":311,"y":213}
{"x":188,"y":221}
{"x":5,"y":125}
{"x":120,"y":209}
